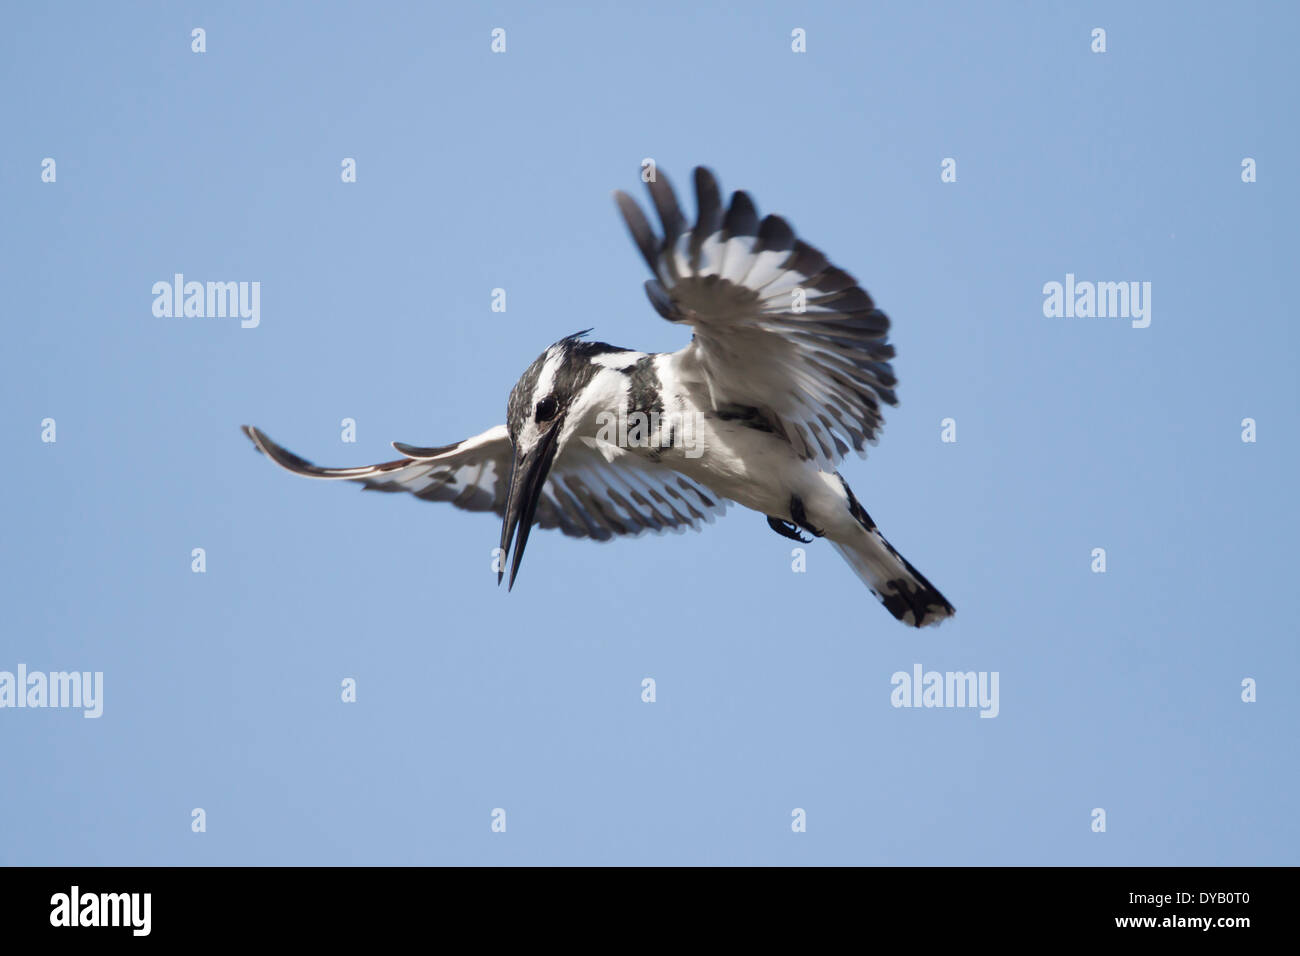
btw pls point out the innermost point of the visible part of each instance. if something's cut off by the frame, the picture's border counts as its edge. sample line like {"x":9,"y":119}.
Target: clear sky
{"x":1119,"y":690}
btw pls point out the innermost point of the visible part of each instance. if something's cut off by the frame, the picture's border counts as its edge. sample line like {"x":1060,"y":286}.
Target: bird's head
{"x":536,"y":417}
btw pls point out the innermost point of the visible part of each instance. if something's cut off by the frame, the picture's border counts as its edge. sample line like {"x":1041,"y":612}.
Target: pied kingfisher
{"x":787,"y":367}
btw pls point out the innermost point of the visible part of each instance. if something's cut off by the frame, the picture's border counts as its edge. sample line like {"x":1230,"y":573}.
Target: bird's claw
{"x":787,"y":530}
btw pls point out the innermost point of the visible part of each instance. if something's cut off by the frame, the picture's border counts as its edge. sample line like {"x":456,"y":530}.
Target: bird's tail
{"x":903,"y":590}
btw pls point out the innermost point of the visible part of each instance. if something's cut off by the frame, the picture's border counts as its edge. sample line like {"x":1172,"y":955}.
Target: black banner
{"x":237,"y":904}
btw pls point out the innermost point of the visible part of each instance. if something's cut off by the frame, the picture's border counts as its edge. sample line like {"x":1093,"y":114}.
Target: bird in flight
{"x":787,"y":369}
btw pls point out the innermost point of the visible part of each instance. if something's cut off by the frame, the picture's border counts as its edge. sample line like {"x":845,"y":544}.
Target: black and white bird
{"x":787,"y":369}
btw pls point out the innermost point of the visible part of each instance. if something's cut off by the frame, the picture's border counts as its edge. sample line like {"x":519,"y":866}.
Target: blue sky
{"x":475,"y":171}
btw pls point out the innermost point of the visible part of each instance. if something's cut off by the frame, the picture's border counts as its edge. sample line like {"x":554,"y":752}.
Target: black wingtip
{"x":283,"y":456}
{"x":742,"y":215}
{"x":775,"y":234}
{"x":705,"y":181}
{"x":662,"y":302}
{"x":665,"y":203}
{"x":254,"y":435}
{"x":639,"y":227}
{"x":420,"y":451}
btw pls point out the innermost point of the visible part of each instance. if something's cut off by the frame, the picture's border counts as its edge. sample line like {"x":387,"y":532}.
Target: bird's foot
{"x":786,"y":530}
{"x":800,"y":518}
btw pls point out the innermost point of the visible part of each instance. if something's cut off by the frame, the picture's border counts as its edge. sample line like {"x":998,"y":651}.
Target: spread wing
{"x":590,"y":493}
{"x":777,"y":326}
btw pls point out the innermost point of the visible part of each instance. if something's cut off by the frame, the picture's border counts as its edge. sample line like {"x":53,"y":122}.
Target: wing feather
{"x":777,"y":326}
{"x":589,"y":494}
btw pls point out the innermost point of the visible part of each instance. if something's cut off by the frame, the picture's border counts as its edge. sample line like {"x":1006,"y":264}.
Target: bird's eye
{"x":546,"y":409}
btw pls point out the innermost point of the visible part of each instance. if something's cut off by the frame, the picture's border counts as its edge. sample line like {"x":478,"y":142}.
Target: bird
{"x":787,"y":369}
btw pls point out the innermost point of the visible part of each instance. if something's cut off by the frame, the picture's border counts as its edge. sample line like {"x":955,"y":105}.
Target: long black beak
{"x":527,"y":478}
